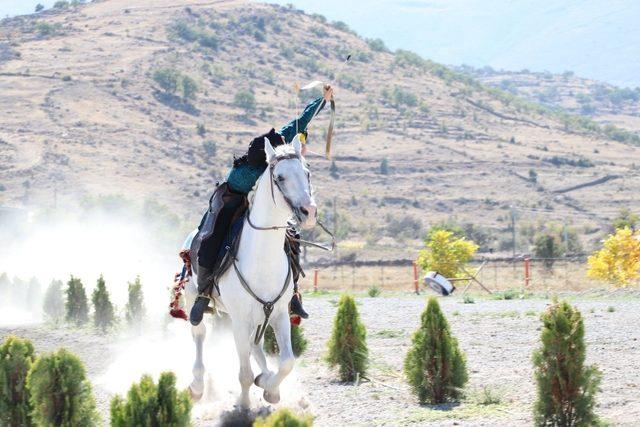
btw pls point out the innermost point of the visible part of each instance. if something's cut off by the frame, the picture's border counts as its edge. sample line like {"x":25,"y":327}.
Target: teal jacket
{"x":242,"y":178}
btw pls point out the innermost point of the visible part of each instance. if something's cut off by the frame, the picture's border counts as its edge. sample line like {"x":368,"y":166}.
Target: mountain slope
{"x":81,"y":114}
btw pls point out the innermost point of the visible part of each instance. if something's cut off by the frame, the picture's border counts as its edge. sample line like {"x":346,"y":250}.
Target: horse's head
{"x":290,"y":175}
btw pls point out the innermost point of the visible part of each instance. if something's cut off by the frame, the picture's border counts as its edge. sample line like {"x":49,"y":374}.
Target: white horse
{"x":283,"y":191}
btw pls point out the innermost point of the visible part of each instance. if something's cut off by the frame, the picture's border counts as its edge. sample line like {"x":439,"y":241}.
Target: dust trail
{"x":173,"y":349}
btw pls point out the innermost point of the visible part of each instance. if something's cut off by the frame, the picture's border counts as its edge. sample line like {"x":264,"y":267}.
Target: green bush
{"x":246,"y":100}
{"x":548,"y":246}
{"x":298,"y":341}
{"x":189,"y":88}
{"x":566,"y":387}
{"x":134,"y":310}
{"x":210,"y":148}
{"x":347,"y":346}
{"x":16,"y":358}
{"x":39,"y":7}
{"x":435,"y":366}
{"x":148,"y":404}
{"x":103,"y":316}
{"x":168,"y":79}
{"x":61,"y":4}
{"x":77,"y":306}
{"x":374,"y":291}
{"x":53,"y":305}
{"x":283,"y":418}
{"x":60,"y":393}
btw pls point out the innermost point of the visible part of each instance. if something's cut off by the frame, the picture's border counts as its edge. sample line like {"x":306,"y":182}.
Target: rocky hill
{"x":151,"y":101}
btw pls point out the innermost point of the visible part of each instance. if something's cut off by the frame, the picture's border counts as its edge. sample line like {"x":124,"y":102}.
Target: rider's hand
{"x":327,"y":93}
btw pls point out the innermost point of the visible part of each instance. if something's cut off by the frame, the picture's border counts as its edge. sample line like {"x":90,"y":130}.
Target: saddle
{"x":226,"y":208}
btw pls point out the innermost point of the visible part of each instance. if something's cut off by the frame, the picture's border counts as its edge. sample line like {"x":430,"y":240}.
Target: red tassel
{"x":295,"y":319}
{"x":178,"y":313}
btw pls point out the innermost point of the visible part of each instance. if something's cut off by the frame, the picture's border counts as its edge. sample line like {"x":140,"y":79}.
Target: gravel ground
{"x":497,"y":336}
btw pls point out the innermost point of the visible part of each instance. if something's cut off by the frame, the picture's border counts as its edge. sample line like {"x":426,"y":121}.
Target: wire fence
{"x":535,"y":274}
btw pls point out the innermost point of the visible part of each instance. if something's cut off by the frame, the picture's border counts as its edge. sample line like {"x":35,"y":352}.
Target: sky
{"x":594,"y":38}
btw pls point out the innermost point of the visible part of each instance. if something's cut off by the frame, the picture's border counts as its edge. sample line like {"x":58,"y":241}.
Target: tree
{"x":435,"y":366}
{"x":61,"y":4}
{"x":533,"y":176}
{"x":446,"y":253}
{"x":566,"y":388}
{"x":384,"y":166}
{"x":548,"y":247}
{"x":283,"y":418}
{"x":39,"y":7}
{"x":5,"y":286}
{"x":246,"y":100}
{"x":347,"y":346}
{"x":16,"y":358}
{"x":134,"y":310}
{"x":77,"y":306}
{"x":60,"y":392}
{"x":627,"y":219}
{"x":618,"y":261}
{"x":103,"y":316}
{"x":148,"y":404}
{"x":298,"y":341}
{"x":333,"y":169}
{"x":189,"y":88}
{"x":53,"y":305}
{"x":168,"y":79}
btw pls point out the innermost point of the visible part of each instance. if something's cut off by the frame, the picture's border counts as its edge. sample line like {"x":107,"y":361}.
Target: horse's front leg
{"x":196,"y":388}
{"x":271,"y":385}
{"x":242,"y":339}
{"x":258,"y":353}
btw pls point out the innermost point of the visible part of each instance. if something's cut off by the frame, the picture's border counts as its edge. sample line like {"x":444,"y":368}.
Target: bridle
{"x":273,"y":181}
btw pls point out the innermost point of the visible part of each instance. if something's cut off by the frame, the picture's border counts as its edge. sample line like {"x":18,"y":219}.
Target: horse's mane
{"x":281,"y":150}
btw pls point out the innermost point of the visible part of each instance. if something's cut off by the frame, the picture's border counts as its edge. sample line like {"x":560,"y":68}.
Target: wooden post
{"x":527,"y":277}
{"x":315,"y":280}
{"x":416,"y":288}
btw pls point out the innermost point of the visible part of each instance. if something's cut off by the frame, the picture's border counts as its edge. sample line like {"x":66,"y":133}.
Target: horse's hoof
{"x":195,"y":396}
{"x":257,"y":380}
{"x":271,"y":397}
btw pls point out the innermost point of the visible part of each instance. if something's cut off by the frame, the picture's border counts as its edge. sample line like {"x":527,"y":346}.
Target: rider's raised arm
{"x":288,"y":131}
{"x":300,"y":124}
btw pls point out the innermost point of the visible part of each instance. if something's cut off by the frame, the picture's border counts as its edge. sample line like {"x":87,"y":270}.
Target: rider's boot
{"x":296,"y":304}
{"x":202,"y":302}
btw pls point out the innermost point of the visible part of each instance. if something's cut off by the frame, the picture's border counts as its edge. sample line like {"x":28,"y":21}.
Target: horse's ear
{"x":269,"y":151}
{"x":297,"y":145}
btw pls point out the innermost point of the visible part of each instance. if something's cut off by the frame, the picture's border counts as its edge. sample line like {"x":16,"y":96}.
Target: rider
{"x":240,"y":181}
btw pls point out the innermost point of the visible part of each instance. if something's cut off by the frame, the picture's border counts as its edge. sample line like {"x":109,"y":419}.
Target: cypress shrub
{"x":298,"y":341}
{"x":60,"y":393}
{"x":566,"y":388}
{"x":77,"y":306}
{"x":283,"y":418}
{"x":347,"y":346}
{"x":53,"y":305}
{"x":16,"y":358}
{"x":148,"y":404}
{"x":134,"y":310}
{"x":103,"y":316}
{"x":435,"y":366}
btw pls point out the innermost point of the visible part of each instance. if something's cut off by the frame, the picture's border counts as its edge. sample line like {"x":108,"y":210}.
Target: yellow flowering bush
{"x":446,"y":253}
{"x":618,"y":262}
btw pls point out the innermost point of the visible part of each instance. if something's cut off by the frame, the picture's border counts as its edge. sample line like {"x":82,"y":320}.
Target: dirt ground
{"x":497,"y":336}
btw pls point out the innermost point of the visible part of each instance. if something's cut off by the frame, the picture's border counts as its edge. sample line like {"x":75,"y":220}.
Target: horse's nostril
{"x":304,"y":211}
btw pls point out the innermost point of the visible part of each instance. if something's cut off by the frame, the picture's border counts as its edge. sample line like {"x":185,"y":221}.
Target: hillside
{"x":81,"y":115}
{"x":602,"y":102}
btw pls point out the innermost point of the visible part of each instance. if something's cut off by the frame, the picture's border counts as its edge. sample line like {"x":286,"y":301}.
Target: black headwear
{"x":256,"y":155}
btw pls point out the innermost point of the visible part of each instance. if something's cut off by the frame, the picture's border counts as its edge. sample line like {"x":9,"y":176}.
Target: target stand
{"x":445,"y":286}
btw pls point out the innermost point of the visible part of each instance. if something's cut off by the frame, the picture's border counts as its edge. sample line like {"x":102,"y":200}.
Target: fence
{"x":535,"y":274}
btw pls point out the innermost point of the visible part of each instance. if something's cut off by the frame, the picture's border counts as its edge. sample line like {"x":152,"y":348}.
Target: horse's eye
{"x":280,"y":178}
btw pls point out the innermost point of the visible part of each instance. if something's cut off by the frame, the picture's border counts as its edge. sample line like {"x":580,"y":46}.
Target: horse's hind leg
{"x":271,"y":385}
{"x":242,"y":339}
